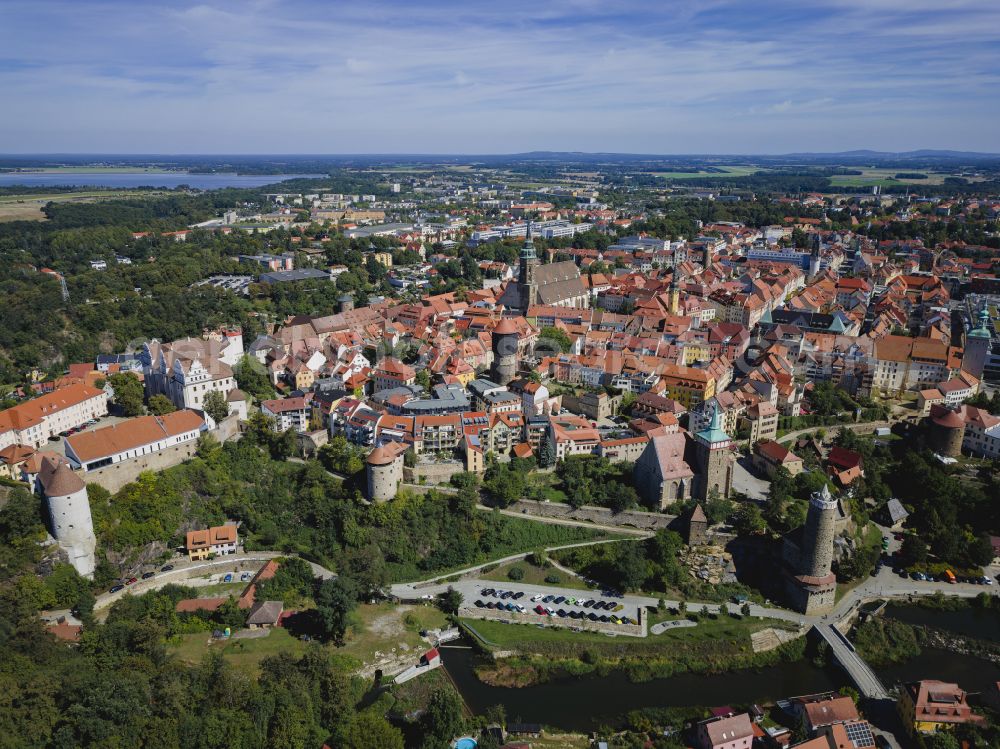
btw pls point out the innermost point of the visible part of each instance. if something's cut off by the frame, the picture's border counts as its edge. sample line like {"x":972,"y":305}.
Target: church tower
{"x":815,"y":263}
{"x":527,"y":285}
{"x":978,"y":343}
{"x":674,"y":293}
{"x":714,"y":458}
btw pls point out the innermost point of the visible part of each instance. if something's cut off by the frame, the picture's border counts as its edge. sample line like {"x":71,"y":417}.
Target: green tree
{"x":369,"y":729}
{"x":160,"y":404}
{"x":443,"y":720}
{"x":215,"y":405}
{"x":251,"y":379}
{"x":423,"y":378}
{"x":749,"y":521}
{"x":335,"y":600}
{"x":128,"y":393}
{"x":450,"y":601}
{"x":558,"y":338}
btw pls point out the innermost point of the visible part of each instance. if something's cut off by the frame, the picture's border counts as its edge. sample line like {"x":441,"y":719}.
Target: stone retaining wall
{"x":630,"y":630}
{"x":432,"y":473}
{"x":635,"y":518}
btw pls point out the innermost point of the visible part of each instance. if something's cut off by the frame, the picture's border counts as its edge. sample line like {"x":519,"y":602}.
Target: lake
{"x":125,"y":180}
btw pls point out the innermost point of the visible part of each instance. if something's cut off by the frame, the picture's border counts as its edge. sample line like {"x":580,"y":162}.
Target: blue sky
{"x":674,"y":76}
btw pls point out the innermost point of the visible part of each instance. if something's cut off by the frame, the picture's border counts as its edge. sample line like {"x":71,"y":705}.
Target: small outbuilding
{"x":264,"y":614}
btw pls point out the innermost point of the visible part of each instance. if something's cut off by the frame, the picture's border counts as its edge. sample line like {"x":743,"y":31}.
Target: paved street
{"x":745,"y":482}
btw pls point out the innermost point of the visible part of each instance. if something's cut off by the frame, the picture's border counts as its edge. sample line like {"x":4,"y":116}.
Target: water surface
{"x":126,"y":180}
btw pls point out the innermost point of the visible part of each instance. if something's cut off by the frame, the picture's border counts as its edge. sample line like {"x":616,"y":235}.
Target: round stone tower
{"x":818,"y":534}
{"x":384,"y":467}
{"x":505,"y":337}
{"x":947,"y":430}
{"x":69,"y":514}
{"x":345,"y":302}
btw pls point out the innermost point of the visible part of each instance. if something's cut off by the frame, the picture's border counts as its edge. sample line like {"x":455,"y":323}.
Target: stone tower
{"x":808,"y":553}
{"x":714,"y":458}
{"x":384,"y":469}
{"x":505,"y":336}
{"x":527,"y":285}
{"x":978,"y":343}
{"x":69,"y":513}
{"x":817,"y":537}
{"x":345,"y":302}
{"x":947,"y":431}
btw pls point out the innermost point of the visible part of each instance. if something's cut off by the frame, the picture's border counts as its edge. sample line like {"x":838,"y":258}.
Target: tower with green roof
{"x":978,"y":343}
{"x":714,"y":458}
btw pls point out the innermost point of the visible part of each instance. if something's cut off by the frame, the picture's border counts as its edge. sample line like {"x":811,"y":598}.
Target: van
{"x":949,"y":576}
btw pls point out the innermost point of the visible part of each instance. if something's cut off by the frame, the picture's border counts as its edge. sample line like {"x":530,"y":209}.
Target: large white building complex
{"x":35,"y":421}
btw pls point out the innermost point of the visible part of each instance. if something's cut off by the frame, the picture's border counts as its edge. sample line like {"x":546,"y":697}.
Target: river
{"x":581,"y":704}
{"x":125,"y":180}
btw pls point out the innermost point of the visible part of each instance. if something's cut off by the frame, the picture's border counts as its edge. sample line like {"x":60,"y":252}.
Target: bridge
{"x":847,"y":658}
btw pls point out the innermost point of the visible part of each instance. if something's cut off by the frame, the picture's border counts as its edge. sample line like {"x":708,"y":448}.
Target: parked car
{"x":558,"y":599}
{"x":540,"y":610}
{"x":131,"y":580}
{"x":166,"y":568}
{"x":548,"y":599}
{"x":228,"y":578}
{"x":116,"y":588}
{"x":147,"y":575}
{"x":479,"y":604}
{"x":519,"y":595}
{"x":536,"y":598}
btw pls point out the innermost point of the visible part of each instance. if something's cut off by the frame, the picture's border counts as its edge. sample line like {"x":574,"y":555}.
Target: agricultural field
{"x":28,"y":206}
{"x":725,"y":171}
{"x":885,"y":178}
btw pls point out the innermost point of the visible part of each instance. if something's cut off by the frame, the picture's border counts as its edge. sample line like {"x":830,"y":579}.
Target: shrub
{"x":515,"y":573}
{"x":554,"y":578}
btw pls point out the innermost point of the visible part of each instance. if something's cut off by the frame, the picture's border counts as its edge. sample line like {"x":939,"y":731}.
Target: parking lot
{"x":593,"y":608}
{"x":59,"y":446}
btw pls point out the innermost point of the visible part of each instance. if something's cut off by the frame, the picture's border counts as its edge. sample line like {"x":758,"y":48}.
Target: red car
{"x":131,"y":580}
{"x":541,"y":610}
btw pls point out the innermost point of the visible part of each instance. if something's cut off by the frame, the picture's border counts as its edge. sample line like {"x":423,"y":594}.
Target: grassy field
{"x":246,"y":654}
{"x":731,"y":171}
{"x":527,"y":637}
{"x":534,"y":576}
{"x":381,"y":627}
{"x":384,"y":626}
{"x":28,"y":206}
{"x":548,"y":485}
{"x":884,"y":178}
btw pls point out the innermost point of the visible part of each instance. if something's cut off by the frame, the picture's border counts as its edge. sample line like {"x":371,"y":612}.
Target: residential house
{"x":219,"y":540}
{"x":35,"y":421}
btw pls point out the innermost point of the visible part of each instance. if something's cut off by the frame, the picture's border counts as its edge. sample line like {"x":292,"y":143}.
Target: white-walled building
{"x":189,"y":369}
{"x":34,"y":421}
{"x":133,"y":438}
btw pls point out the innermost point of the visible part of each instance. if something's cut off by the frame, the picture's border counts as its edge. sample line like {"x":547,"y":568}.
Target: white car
{"x":536,"y":599}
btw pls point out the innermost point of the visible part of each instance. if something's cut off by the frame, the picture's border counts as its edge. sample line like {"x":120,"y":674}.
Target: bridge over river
{"x":868,"y":684}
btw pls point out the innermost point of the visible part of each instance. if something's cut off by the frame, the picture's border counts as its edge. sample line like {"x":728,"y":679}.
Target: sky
{"x":464,"y":76}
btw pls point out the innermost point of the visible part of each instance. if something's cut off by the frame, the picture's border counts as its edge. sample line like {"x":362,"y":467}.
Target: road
{"x":185,"y":570}
{"x":745,"y":482}
{"x":832,"y":428}
{"x":637,"y":532}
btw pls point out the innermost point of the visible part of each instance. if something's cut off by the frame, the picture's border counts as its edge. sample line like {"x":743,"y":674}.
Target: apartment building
{"x":35,"y":421}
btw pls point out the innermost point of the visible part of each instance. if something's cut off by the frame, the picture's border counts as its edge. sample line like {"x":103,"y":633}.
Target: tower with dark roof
{"x":69,"y":513}
{"x":505,"y":336}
